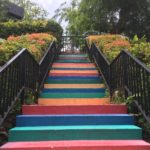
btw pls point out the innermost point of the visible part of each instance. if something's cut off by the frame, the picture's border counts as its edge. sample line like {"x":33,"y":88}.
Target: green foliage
{"x":36,"y":43}
{"x":111,"y":45}
{"x":54,"y":28}
{"x":3,"y":11}
{"x":140,"y":48}
{"x":32,"y":10}
{"x":145,"y":126}
{"x":110,"y":16}
{"x":35,"y":26}
{"x":118,"y":98}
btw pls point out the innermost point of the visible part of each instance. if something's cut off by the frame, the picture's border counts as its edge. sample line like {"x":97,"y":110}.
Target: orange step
{"x":73,"y":101}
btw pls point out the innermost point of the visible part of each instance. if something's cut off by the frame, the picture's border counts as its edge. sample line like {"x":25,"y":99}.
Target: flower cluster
{"x":110,"y":44}
{"x":36,"y":43}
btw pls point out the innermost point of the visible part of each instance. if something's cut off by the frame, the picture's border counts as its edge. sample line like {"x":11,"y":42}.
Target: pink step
{"x":101,"y":109}
{"x":79,"y":145}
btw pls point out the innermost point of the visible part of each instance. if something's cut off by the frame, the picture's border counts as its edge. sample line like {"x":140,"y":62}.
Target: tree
{"x":129,"y":17}
{"x":32,"y":10}
{"x":132,"y":16}
{"x":80,"y":15}
{"x":3,"y":10}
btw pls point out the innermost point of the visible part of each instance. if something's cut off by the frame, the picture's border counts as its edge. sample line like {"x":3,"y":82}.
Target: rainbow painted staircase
{"x":73,"y":113}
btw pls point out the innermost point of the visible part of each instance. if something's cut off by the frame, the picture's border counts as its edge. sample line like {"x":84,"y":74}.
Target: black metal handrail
{"x":73,"y":43}
{"x":46,"y":63}
{"x":126,"y":73}
{"x":100,"y":60}
{"x":20,"y":73}
{"x":133,"y":76}
{"x":102,"y":63}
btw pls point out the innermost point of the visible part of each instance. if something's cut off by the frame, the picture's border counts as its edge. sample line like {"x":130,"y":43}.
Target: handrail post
{"x":110,"y":82}
{"x":125,"y":64}
{"x":23,"y":78}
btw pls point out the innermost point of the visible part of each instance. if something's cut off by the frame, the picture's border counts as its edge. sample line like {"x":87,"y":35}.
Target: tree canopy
{"x":32,"y":10}
{"x":127,"y":17}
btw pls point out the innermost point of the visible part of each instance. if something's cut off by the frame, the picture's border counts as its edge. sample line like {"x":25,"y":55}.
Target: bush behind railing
{"x":127,"y":75}
{"x":23,"y":73}
{"x":36,"y":43}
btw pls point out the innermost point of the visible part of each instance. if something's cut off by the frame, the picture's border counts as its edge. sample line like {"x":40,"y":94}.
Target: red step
{"x":101,"y":109}
{"x":79,"y":145}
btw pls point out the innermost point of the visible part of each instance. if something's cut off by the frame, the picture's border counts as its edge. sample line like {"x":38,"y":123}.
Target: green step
{"x":95,"y":132}
{"x":73,"y":61}
{"x":51,"y":81}
{"x":79,"y":55}
{"x":72,"y":95}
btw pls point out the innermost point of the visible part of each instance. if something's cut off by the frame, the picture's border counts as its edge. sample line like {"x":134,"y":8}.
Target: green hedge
{"x":36,"y":26}
{"x":36,"y":43}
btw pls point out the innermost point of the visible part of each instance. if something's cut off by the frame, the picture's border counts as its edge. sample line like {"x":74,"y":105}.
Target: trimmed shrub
{"x":36,"y":43}
{"x":111,"y":45}
{"x":36,"y":26}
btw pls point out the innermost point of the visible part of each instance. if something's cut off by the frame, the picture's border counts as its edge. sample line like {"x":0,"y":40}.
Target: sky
{"x":51,"y":6}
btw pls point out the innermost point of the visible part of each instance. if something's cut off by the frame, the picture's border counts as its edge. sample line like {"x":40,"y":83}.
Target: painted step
{"x":73,"y":86}
{"x":72,"y":58}
{"x":72,"y":95}
{"x":73,"y":101}
{"x":78,"y":66}
{"x":64,"y":65}
{"x":72,"y":81}
{"x":73,"y":61}
{"x":75,"y":74}
{"x":74,"y":55}
{"x":79,"y":145}
{"x":95,"y":132}
{"x":69,"y":120}
{"x":100,"y":90}
{"x":75,"y":109}
{"x":75,"y":71}
{"x":83,"y":55}
{"x":74,"y":78}
{"x":73,"y":65}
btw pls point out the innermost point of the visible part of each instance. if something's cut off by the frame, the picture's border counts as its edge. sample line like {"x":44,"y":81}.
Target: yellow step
{"x":73,"y":101}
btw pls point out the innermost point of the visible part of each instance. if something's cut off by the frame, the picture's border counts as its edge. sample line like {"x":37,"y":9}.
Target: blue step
{"x":99,"y":90}
{"x":65,"y":120}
